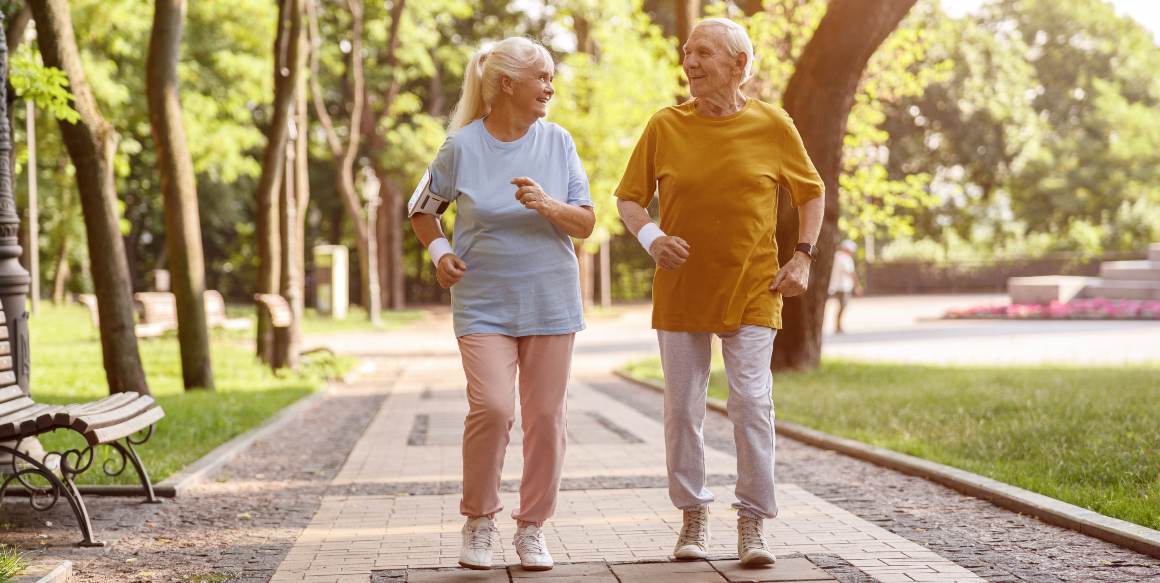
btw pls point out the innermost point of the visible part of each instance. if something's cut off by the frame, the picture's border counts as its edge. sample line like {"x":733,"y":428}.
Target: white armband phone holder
{"x":425,"y":201}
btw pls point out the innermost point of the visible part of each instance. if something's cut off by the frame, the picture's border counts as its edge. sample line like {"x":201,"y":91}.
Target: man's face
{"x":708,"y":65}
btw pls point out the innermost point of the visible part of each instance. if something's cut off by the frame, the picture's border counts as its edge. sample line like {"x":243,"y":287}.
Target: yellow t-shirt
{"x":718,"y":179}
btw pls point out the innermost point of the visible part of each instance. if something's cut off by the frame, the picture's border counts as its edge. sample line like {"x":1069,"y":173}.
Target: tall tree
{"x":345,"y":153}
{"x":288,"y":55}
{"x":819,"y":97}
{"x":182,"y":220}
{"x":688,"y":11}
{"x":91,"y":144}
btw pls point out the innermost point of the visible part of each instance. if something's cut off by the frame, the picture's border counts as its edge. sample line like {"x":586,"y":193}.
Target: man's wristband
{"x":648,"y":234}
{"x":437,"y":249}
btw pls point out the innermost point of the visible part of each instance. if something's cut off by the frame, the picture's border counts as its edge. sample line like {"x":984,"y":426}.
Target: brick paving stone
{"x":689,"y":571}
{"x":784,"y":571}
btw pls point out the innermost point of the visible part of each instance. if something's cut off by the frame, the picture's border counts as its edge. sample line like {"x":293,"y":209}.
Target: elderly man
{"x":717,"y":162}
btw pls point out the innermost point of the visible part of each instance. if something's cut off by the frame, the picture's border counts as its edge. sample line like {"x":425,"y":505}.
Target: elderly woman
{"x":717,"y":162}
{"x":514,"y":279}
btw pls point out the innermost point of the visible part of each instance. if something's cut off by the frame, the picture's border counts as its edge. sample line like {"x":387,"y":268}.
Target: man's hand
{"x":669,"y":252}
{"x":793,"y":279}
{"x":533,"y":197}
{"x":450,"y":270}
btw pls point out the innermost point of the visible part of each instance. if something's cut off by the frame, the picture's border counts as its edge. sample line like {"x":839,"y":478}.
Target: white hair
{"x":513,"y":57}
{"x":736,"y":42}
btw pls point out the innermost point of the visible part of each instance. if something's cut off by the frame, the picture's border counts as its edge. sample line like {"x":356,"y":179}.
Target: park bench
{"x":281,"y":317}
{"x":120,"y":422}
{"x":157,"y":312}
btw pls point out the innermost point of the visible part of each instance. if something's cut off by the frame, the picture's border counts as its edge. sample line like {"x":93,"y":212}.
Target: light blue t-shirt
{"x":522,"y":276}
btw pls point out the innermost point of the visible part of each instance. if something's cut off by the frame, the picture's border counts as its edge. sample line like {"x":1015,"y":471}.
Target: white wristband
{"x":437,"y":249}
{"x":648,"y":234}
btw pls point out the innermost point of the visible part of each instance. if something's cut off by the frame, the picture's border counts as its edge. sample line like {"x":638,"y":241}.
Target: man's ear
{"x":742,"y":61}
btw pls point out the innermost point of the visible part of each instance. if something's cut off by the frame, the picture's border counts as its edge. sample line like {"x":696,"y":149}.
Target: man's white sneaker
{"x":533,"y":551}
{"x":693,"y":543}
{"x":478,"y":534}
{"x":751,"y":547}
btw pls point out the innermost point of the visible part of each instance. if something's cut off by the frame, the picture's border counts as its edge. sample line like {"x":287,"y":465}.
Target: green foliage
{"x":592,"y":103}
{"x":12,"y":562}
{"x":47,"y":87}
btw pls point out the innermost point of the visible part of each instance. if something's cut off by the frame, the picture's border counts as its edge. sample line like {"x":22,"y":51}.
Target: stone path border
{"x":1045,"y":508}
{"x":57,"y":572}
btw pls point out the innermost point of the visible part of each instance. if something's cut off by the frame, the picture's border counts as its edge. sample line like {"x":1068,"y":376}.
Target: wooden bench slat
{"x":5,"y":348}
{"x":10,"y":424}
{"x":105,"y":404}
{"x":12,"y":405}
{"x":129,"y":427}
{"x":5,"y":362}
{"x":7,"y":377}
{"x":9,"y":393}
{"x":88,"y":422}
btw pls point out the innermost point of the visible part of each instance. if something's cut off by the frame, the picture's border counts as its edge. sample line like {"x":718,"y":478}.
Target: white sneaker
{"x":478,"y":534}
{"x":533,"y":551}
{"x":694,"y":540}
{"x":751,"y":547}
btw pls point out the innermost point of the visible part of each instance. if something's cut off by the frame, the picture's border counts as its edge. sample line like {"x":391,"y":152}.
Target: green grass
{"x":355,"y":320}
{"x":1089,"y":436}
{"x":11,"y":563}
{"x":66,"y":367}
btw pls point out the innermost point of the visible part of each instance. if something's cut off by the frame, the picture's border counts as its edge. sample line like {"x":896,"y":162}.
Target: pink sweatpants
{"x":491,"y":362}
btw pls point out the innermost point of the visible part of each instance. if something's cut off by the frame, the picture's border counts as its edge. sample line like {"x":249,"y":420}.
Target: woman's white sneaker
{"x":751,"y":547}
{"x":693,"y":543}
{"x":533,"y":551}
{"x":478,"y":534}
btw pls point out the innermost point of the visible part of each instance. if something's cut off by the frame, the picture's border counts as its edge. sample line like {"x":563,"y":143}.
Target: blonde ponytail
{"x":513,"y":57}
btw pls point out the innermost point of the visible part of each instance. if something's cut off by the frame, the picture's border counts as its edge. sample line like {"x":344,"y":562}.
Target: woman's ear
{"x":506,"y":84}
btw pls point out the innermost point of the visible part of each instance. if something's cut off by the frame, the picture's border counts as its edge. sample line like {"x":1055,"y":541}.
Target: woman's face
{"x":533,"y":90}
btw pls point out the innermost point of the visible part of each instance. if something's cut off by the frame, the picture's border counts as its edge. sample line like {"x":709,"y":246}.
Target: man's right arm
{"x":669,"y":252}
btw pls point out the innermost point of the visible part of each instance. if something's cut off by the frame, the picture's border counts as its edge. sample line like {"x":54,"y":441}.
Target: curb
{"x":61,"y":573}
{"x":174,"y":485}
{"x":1120,"y":532}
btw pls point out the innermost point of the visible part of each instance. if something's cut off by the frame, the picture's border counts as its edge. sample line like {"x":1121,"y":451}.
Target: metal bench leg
{"x":127,"y":452}
{"x":58,"y":487}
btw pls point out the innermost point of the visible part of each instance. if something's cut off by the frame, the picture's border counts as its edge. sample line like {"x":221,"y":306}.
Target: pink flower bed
{"x":1093,"y":309}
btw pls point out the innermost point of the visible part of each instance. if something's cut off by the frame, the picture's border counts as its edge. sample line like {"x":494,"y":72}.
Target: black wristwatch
{"x":811,"y":251}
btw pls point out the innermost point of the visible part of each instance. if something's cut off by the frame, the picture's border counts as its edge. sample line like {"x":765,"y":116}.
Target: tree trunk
{"x":178,"y":186}
{"x":345,"y":154}
{"x":287,"y":69}
{"x":294,"y":242}
{"x":819,"y":97}
{"x":688,"y":11}
{"x":391,"y":234}
{"x":60,"y":274}
{"x":751,"y":7}
{"x":91,"y":144}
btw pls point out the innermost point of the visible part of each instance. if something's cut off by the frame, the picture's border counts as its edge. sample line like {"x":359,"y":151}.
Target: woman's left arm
{"x":576,"y":221}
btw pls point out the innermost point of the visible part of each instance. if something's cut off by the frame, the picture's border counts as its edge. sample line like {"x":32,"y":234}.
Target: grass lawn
{"x":11,"y":563}
{"x":66,"y":367}
{"x":355,"y":320}
{"x":1089,"y":436}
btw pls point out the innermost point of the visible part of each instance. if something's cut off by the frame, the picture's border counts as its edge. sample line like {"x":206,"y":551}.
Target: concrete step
{"x":1131,"y":270}
{"x":1114,"y":289}
{"x":1154,"y":252}
{"x":1045,"y":289}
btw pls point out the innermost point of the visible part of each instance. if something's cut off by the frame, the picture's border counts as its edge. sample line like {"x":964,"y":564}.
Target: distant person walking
{"x":717,"y":163}
{"x":521,"y":196}
{"x":844,"y":279}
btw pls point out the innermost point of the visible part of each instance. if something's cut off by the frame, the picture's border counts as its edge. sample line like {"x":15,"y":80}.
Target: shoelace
{"x":693,"y":530}
{"x":531,"y":541}
{"x":752,"y":535}
{"x":481,"y":538}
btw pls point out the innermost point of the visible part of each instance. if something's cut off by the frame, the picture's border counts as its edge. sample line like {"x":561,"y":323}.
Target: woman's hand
{"x":533,"y":197}
{"x":450,"y":270}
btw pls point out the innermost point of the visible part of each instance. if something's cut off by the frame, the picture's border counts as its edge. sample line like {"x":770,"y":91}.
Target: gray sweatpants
{"x":685,"y":360}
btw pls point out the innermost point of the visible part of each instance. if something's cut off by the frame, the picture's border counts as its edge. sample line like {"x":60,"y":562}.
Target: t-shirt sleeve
{"x":578,"y":191}
{"x":444,"y":170}
{"x":640,"y":177}
{"x":797,"y":173}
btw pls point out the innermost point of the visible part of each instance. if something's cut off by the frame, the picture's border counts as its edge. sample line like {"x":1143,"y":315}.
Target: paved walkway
{"x":392,"y":508}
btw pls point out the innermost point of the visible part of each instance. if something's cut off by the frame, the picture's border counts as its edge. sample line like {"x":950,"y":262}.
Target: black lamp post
{"x":14,"y":279}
